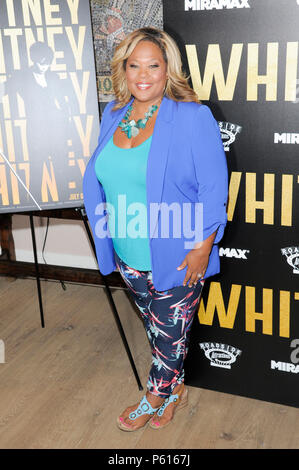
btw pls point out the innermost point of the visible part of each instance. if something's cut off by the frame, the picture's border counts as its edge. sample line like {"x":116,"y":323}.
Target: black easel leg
{"x":113,"y":307}
{"x":37,"y":272}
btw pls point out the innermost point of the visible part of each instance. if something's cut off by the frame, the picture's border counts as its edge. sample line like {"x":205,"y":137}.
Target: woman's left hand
{"x":197,"y":261}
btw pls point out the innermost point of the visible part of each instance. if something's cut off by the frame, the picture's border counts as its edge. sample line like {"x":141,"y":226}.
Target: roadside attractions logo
{"x":292,"y":256}
{"x":229,"y":132}
{"x":220,"y":355}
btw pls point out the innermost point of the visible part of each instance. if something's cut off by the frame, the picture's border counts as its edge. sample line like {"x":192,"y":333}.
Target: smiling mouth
{"x":143,"y":86}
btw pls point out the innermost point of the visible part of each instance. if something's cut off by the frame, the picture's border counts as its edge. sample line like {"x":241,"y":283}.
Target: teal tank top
{"x":122,"y":173}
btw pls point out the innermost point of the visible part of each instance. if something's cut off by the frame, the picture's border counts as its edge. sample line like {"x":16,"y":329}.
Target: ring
{"x":198,"y":275}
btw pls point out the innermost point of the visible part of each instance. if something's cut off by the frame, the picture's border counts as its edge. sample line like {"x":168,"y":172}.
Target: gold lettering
{"x":14,"y":186}
{"x":286,"y":200}
{"x":214,"y":69}
{"x":227,"y":317}
{"x":215,"y":302}
{"x":35,"y":10}
{"x":84,"y":136}
{"x":49,"y":183}
{"x":267,"y":205}
{"x":3,"y":185}
{"x":291,"y":71}
{"x":284,"y":314}
{"x":51,"y":32}
{"x":252,"y":315}
{"x":49,"y":9}
{"x":73,"y":7}
{"x":11,"y":13}
{"x":81,"y":93}
{"x":270,"y":79}
{"x":77,"y":48}
{"x":234,"y":187}
{"x":81,"y":165}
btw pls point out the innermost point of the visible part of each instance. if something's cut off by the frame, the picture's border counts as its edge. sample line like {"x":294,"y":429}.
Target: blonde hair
{"x":177,"y":87}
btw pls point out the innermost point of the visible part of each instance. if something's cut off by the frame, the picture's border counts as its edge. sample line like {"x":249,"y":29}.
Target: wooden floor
{"x":62,"y":386}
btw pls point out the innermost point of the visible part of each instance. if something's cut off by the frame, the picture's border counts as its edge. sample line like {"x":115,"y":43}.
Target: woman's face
{"x":43,"y":65}
{"x":146,"y":72}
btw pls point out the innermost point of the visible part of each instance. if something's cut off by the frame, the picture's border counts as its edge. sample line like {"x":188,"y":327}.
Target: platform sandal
{"x":180,"y":400}
{"x":143,"y":408}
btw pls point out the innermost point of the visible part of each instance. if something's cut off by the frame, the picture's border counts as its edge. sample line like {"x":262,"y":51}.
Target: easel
{"x":82,"y":212}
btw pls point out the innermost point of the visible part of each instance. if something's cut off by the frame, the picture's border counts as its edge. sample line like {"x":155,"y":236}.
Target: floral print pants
{"x":167,"y":317}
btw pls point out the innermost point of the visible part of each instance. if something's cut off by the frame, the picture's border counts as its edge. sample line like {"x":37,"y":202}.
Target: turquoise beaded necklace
{"x":132,"y":128}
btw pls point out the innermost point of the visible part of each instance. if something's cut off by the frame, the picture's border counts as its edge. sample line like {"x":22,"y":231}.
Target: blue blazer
{"x":186,"y":164}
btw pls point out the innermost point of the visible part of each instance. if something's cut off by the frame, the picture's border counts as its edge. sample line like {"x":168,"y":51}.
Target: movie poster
{"x":49,"y":118}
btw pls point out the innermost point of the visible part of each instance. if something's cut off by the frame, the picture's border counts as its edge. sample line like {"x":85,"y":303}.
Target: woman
{"x":160,"y":154}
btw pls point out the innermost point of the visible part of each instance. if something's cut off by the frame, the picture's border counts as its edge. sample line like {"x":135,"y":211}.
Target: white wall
{"x":67,"y":242}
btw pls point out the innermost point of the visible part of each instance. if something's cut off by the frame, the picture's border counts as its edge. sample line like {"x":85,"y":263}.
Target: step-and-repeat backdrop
{"x":242,"y":57}
{"x":49,"y":119}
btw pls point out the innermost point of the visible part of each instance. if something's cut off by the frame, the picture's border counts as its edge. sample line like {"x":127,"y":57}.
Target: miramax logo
{"x":215,"y":4}
{"x":286,"y":138}
{"x":220,"y":355}
{"x":233,"y":253}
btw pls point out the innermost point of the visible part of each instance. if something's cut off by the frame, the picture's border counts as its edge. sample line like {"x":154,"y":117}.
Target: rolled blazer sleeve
{"x":211,"y":172}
